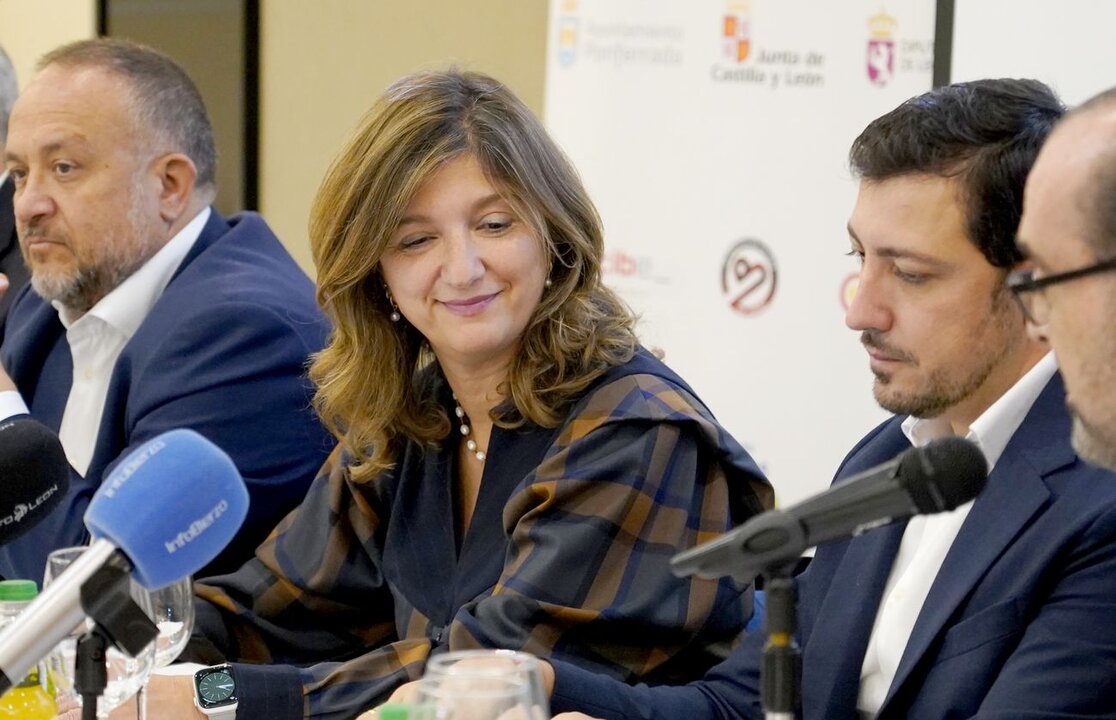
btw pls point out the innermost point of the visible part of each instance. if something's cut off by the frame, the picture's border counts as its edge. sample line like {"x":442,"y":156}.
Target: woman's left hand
{"x":169,"y":697}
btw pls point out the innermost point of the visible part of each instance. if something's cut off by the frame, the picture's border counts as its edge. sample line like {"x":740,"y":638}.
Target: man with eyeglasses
{"x":1068,"y":231}
{"x":1003,"y":608}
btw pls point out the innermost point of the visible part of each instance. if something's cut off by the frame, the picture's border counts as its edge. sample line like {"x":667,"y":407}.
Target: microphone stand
{"x":772,"y":550}
{"x":107,"y":600}
{"x":781,"y":671}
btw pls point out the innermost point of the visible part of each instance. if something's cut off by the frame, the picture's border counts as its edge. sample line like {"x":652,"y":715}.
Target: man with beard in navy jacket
{"x":147,"y":310}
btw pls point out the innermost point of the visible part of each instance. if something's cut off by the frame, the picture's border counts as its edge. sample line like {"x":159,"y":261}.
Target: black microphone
{"x":35,"y":474}
{"x":945,"y":473}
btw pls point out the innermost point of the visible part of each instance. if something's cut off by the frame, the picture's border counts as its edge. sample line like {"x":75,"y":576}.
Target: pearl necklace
{"x":466,"y":431}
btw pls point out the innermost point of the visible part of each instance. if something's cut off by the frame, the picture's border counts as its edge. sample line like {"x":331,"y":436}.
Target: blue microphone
{"x":167,"y":509}
{"x":171,"y":505}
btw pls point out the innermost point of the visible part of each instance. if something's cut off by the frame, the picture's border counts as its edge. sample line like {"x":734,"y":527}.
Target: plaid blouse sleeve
{"x":314,"y":592}
{"x":637,"y":473}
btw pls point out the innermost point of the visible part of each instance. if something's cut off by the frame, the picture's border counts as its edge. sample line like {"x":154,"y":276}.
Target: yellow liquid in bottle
{"x":29,"y":700}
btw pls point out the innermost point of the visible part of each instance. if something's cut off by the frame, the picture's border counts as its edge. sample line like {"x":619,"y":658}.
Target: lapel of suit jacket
{"x":834,"y":650}
{"x":112,"y":436}
{"x":215,"y":228}
{"x":1015,"y":492}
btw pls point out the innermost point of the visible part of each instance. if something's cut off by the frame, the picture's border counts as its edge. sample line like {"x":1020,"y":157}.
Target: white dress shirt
{"x":97,"y":338}
{"x":928,"y":538}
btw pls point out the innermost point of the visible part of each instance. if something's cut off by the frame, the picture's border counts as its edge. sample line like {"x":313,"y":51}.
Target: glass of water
{"x":172,"y":609}
{"x":126,"y":675}
{"x":482,"y":685}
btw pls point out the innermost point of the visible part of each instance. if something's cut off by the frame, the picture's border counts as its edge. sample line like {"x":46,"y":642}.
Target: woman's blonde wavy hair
{"x":370,"y":387}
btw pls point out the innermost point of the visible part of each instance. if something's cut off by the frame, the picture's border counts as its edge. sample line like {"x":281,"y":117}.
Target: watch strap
{"x":221,"y":712}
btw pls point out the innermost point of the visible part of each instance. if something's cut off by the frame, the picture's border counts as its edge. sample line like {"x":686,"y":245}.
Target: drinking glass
{"x":172,"y":610}
{"x":483,"y":684}
{"x":472,"y":696}
{"x":125,"y":674}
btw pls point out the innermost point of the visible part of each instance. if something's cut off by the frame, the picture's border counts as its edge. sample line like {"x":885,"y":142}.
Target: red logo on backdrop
{"x":736,"y":32}
{"x":881,"y":48}
{"x":749,"y":277}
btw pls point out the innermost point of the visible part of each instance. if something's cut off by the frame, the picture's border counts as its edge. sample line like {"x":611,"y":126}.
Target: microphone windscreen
{"x":946,"y":473}
{"x":171,"y":506}
{"x":35,"y":475}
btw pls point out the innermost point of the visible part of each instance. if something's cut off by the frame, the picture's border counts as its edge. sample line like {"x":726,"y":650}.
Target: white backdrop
{"x":713,"y":136}
{"x":1067,"y":44}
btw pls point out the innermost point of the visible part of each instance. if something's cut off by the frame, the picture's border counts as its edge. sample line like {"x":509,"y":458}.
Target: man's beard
{"x":83,"y":287}
{"x":939,"y":393}
{"x":942,"y":390}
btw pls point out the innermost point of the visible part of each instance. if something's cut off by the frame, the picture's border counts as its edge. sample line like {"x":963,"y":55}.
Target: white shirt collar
{"x":993,"y":429}
{"x":126,"y":305}
{"x":3,"y":177}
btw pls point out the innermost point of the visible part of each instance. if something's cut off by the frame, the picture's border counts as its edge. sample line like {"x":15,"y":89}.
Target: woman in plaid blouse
{"x":513,"y":470}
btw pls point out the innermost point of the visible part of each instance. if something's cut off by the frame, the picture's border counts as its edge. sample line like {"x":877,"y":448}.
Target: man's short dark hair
{"x":985,"y":133}
{"x":166,"y":102}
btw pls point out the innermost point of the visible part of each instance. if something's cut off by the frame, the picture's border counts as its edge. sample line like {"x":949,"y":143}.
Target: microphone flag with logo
{"x":173,"y":503}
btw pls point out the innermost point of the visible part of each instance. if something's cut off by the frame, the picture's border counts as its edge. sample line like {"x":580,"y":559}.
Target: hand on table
{"x":405,"y":694}
{"x":169,"y":697}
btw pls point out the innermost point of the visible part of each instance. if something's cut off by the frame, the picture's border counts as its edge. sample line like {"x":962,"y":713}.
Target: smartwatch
{"x":215,"y":691}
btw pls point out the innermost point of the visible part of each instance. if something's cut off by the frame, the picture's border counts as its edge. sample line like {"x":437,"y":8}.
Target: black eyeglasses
{"x":1028,"y":289}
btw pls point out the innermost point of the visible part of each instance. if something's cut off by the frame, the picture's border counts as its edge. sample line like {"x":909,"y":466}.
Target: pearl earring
{"x":548,"y":282}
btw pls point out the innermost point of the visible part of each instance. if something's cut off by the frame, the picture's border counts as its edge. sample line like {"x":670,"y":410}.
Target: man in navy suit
{"x":11,"y":263}
{"x":1068,"y":231}
{"x":147,"y":310}
{"x":1004,"y":607}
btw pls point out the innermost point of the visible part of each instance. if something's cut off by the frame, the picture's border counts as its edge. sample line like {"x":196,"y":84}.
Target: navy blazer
{"x":223,"y":351}
{"x":1020,"y":621}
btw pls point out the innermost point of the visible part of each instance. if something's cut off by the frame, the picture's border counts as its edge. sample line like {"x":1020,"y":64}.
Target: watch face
{"x":216,"y":688}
